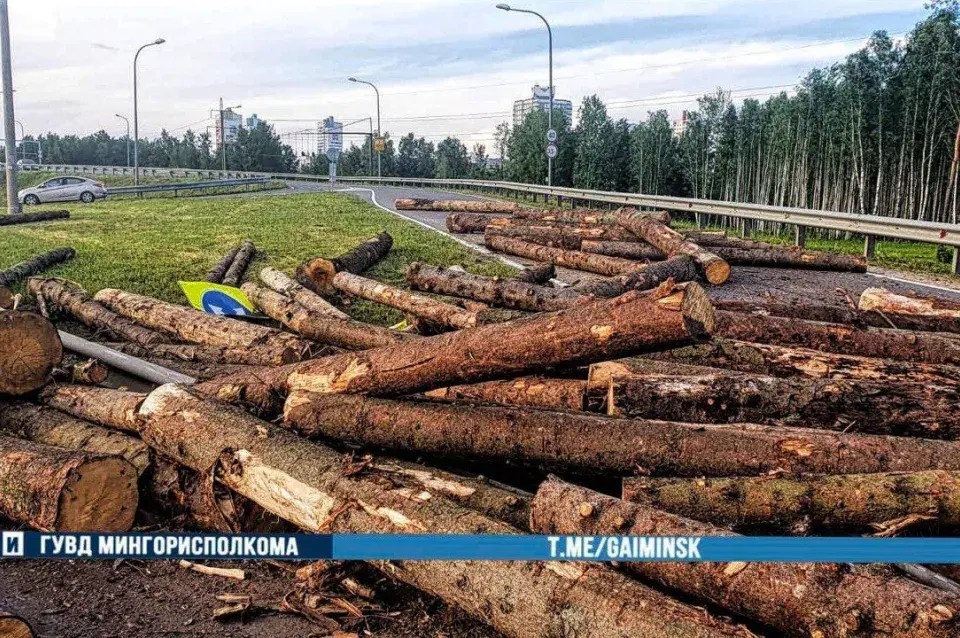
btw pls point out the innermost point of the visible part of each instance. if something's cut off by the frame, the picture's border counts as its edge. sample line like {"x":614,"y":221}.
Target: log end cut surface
{"x":717,"y":271}
{"x":14,"y":627}
{"x":100,"y":496}
{"x":30,"y":351}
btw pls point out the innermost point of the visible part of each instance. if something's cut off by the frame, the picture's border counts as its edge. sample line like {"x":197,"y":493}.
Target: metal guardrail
{"x":185,"y":186}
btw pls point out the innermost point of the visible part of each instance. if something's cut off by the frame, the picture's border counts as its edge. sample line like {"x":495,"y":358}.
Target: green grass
{"x":146,"y":246}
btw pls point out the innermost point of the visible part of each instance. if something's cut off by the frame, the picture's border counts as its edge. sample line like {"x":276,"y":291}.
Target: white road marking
{"x":915,"y":283}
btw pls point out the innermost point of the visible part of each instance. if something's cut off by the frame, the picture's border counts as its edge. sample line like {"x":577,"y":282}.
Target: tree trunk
{"x":790,"y":257}
{"x":648,"y":277}
{"x":798,"y":599}
{"x":631,"y":323}
{"x":59,"y":293}
{"x":324,"y":328}
{"x":57,"y":490}
{"x":585,"y":216}
{"x":31,"y":350}
{"x":217,"y":273}
{"x":255,"y":355}
{"x":241,"y":261}
{"x":279,"y":282}
{"x":459,"y":206}
{"x":573,"y":259}
{"x":567,"y":237}
{"x":624,"y":249}
{"x":888,"y":302}
{"x":587,"y":444}
{"x":466,"y":223}
{"x":528,"y":392}
{"x":672,"y":243}
{"x":540,"y":274}
{"x":26,"y":218}
{"x":901,"y":345}
{"x":851,"y":503}
{"x":198,"y":370}
{"x":34,"y":265}
{"x":111,"y":408}
{"x":261,"y":390}
{"x":712,"y":239}
{"x":11,"y":625}
{"x":317,"y":274}
{"x":90,"y":372}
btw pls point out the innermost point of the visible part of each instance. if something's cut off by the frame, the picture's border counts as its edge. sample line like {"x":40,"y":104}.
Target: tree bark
{"x":624,"y":249}
{"x":645,"y":277}
{"x":573,"y":259}
{"x":241,"y":261}
{"x":26,"y":218}
{"x":115,"y":409}
{"x":36,"y":264}
{"x":798,"y":599}
{"x":567,"y":237}
{"x":30,"y":352}
{"x":260,"y":390}
{"x":7,"y":298}
{"x":317,"y":274}
{"x":279,"y":282}
{"x":672,"y":243}
{"x":217,"y":273}
{"x":800,"y":505}
{"x":11,"y":625}
{"x":466,"y":223}
{"x":713,"y":239}
{"x":255,"y":355}
{"x":456,"y":205}
{"x":901,"y":345}
{"x":540,"y":274}
{"x":888,"y":302}
{"x":527,"y":392}
{"x":57,"y":490}
{"x":790,"y":257}
{"x":324,"y":328}
{"x":585,"y":215}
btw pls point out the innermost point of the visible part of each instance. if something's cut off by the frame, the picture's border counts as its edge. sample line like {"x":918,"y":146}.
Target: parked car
{"x":28,"y":165}
{"x":63,"y":189}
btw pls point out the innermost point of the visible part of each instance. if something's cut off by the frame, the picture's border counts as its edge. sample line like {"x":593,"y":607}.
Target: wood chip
{"x":236,"y":574}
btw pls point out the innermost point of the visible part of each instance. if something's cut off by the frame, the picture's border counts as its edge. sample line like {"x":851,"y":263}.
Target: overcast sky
{"x":458,"y":63}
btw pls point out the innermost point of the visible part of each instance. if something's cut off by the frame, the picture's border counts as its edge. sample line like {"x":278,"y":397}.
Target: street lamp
{"x":128,"y":135}
{"x":507,"y":7}
{"x":378,"y":114}
{"x":136,"y":128}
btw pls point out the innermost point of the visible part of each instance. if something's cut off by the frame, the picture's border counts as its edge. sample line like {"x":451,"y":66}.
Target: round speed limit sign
{"x":551,"y":150}
{"x":552,"y":135}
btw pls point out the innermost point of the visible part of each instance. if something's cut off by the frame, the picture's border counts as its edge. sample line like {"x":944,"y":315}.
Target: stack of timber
{"x":232,"y":267}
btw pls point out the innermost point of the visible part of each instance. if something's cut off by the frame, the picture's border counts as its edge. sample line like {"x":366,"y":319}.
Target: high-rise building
{"x":679,"y":126}
{"x":230,"y":125}
{"x":541,"y":100}
{"x":253,"y":122}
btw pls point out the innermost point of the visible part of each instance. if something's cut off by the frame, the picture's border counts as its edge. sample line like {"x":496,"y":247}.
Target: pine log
{"x":7,"y":298}
{"x":672,"y":243}
{"x":255,"y":355}
{"x":48,"y":426}
{"x":631,"y":323}
{"x":720,"y":239}
{"x":57,"y":490}
{"x":888,"y":302}
{"x":560,"y":236}
{"x":798,"y":599}
{"x":30,"y":351}
{"x":62,"y":294}
{"x":313,"y":486}
{"x":456,"y":205}
{"x":217,"y":273}
{"x":573,"y":259}
{"x":111,"y":408}
{"x":790,"y":257}
{"x":588,"y":444}
{"x":36,"y":264}
{"x":279,"y":282}
{"x":199,"y":370}
{"x":679,"y":269}
{"x":317,"y":274}
{"x":540,"y":274}
{"x":260,"y":390}
{"x":585,"y":215}
{"x":902,"y":345}
{"x":467,"y":223}
{"x":625,"y":249}
{"x":527,"y":392}
{"x":241,"y":261}
{"x":321,"y":327}
{"x":27,"y":218}
{"x":14,"y":626}
{"x":90,"y":372}
{"x":138,"y":368}
{"x":800,"y":505}
{"x":199,"y":327}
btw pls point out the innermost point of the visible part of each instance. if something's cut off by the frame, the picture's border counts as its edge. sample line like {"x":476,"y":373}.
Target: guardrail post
{"x":559,"y":201}
{"x":746,"y":226}
{"x":800,"y":236}
{"x":869,"y":246}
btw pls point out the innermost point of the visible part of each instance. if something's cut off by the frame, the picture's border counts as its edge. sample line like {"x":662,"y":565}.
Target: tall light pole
{"x":136,"y":127}
{"x":128,"y":135}
{"x":9,"y":128}
{"x":507,"y":7}
{"x":223,"y":135}
{"x":378,"y":115}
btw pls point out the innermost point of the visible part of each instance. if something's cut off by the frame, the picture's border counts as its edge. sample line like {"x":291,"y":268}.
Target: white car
{"x":63,"y":189}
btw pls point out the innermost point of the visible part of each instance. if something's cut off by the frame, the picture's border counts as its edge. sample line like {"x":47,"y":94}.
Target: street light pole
{"x":9,"y":128}
{"x":136,"y":127}
{"x":377,"y":91}
{"x":128,"y":136}
{"x":507,"y":7}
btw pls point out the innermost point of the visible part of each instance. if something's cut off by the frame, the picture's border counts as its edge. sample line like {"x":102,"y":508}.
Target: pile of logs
{"x":719,"y":419}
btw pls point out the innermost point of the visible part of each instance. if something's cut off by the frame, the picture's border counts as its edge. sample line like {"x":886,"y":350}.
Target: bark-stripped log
{"x":790,"y":257}
{"x":36,"y":264}
{"x":241,"y":261}
{"x":901,"y":345}
{"x":573,"y":259}
{"x":46,"y":425}
{"x":217,"y":273}
{"x":62,"y":294}
{"x":588,"y":444}
{"x":467,"y":223}
{"x":585,"y":215}
{"x":324,"y":328}
{"x":527,"y":392}
{"x":672,"y":243}
{"x":13,"y":626}
{"x":255,"y":355}
{"x":560,"y":236}
{"x":631,"y":323}
{"x":30,"y":351}
{"x":457,"y":205}
{"x":199,"y":327}
{"x":26,"y":218}
{"x":317,"y":274}
{"x":58,"y":490}
{"x":798,"y":599}
{"x":313,"y":486}
{"x":886,"y":301}
{"x":112,"y":408}
{"x":679,"y":269}
{"x":279,"y":282}
{"x":540,"y":274}
{"x":799,"y":505}
{"x":624,"y":249}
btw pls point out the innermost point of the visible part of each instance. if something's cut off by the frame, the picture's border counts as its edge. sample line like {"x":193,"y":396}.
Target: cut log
{"x":679,"y":269}
{"x":255,"y":355}
{"x":90,"y":372}
{"x":457,"y":205}
{"x":279,"y":282}
{"x":7,"y":298}
{"x":199,"y":327}
{"x":467,"y":223}
{"x":321,"y":327}
{"x":672,"y":243}
{"x":801,"y":505}
{"x":886,"y":301}
{"x":901,"y":345}
{"x":57,"y":490}
{"x":105,"y":406}
{"x":31,"y":350}
{"x":199,"y":370}
{"x":798,"y":599}
{"x":560,"y":236}
{"x":48,"y":426}
{"x":718,"y":239}
{"x":528,"y":392}
{"x":540,"y":274}
{"x":63,"y":295}
{"x":629,"y":324}
{"x":585,"y":215}
{"x":241,"y":261}
{"x":790,"y":257}
{"x":27,"y":218}
{"x":36,"y":264}
{"x":625,"y":249}
{"x":588,"y":444}
{"x":14,"y":626}
{"x":573,"y":259}
{"x":317,"y":274}
{"x":261,"y":390}
{"x":217,"y":273}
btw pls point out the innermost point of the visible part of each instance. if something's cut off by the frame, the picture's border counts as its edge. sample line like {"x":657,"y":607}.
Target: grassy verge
{"x":146,"y":246}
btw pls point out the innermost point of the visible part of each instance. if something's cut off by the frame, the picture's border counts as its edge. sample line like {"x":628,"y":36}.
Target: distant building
{"x":541,"y":100}
{"x":253,"y":122}
{"x":679,"y":126}
{"x":230,"y":125}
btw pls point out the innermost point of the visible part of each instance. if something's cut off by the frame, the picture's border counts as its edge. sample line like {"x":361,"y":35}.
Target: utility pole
{"x":223,"y":134}
{"x":9,"y":124}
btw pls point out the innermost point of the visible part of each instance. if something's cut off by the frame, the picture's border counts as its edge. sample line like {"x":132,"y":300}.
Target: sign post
{"x":331,"y":144}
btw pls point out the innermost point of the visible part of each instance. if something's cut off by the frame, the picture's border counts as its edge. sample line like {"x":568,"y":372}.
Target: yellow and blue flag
{"x":217,"y":299}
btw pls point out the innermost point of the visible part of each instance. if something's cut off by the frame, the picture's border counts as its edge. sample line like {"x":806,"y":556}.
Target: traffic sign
{"x":552,"y":135}
{"x":217,"y":299}
{"x":379,"y":144}
{"x":551,"y":150}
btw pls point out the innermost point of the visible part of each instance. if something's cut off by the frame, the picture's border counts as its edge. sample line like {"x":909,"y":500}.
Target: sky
{"x":443,"y":67}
